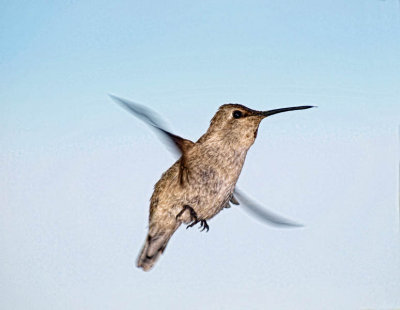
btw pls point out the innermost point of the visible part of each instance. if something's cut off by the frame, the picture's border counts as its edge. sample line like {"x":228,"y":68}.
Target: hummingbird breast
{"x":212,"y":171}
{"x":212,"y":176}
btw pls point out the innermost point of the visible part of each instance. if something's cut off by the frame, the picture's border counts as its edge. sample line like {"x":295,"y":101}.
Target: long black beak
{"x":275,"y":111}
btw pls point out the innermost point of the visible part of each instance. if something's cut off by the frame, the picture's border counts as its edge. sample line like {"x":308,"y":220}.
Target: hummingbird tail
{"x":152,"y":249}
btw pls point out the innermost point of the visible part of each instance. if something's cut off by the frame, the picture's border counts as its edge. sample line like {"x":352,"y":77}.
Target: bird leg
{"x":194,"y":219}
{"x":193,"y":214}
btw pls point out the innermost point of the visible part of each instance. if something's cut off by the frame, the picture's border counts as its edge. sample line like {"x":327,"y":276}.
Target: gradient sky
{"x":78,"y":171}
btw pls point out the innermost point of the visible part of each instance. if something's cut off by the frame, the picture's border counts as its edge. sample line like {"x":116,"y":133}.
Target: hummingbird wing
{"x":262,"y":213}
{"x":151,"y":118}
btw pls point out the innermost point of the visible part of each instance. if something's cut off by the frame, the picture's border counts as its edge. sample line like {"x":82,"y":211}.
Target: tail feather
{"x":152,"y":249}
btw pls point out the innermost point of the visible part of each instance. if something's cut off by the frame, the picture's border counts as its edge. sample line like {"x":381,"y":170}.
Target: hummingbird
{"x":202,"y":182}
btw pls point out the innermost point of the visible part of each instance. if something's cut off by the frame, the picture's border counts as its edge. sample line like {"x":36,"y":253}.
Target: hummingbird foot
{"x":192,"y":224}
{"x":204,"y":225}
{"x":194,"y":219}
{"x":193,"y":214}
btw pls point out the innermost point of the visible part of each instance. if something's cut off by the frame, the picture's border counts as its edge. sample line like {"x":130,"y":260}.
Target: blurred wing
{"x":262,"y":213}
{"x":151,"y":118}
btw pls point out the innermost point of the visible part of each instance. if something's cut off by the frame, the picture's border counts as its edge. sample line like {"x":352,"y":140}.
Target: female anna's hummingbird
{"x":202,"y":181}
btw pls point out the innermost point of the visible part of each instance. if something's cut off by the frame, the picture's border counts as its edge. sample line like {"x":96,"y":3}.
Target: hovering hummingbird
{"x":202,"y":181}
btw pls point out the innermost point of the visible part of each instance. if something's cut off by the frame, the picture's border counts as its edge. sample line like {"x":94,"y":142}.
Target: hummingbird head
{"x":238,"y":125}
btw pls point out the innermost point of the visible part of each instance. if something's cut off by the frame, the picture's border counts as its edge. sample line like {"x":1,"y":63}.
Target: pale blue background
{"x":77,"y":171}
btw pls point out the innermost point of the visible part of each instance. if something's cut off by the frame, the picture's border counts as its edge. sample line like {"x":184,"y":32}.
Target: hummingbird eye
{"x":237,"y":114}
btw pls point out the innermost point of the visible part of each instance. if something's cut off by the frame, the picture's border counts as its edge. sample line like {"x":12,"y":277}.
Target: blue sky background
{"x":78,"y":171}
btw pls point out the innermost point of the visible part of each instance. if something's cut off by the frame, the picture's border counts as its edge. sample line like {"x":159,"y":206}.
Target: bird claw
{"x":204,"y":225}
{"x":194,"y":219}
{"x":192,"y":224}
